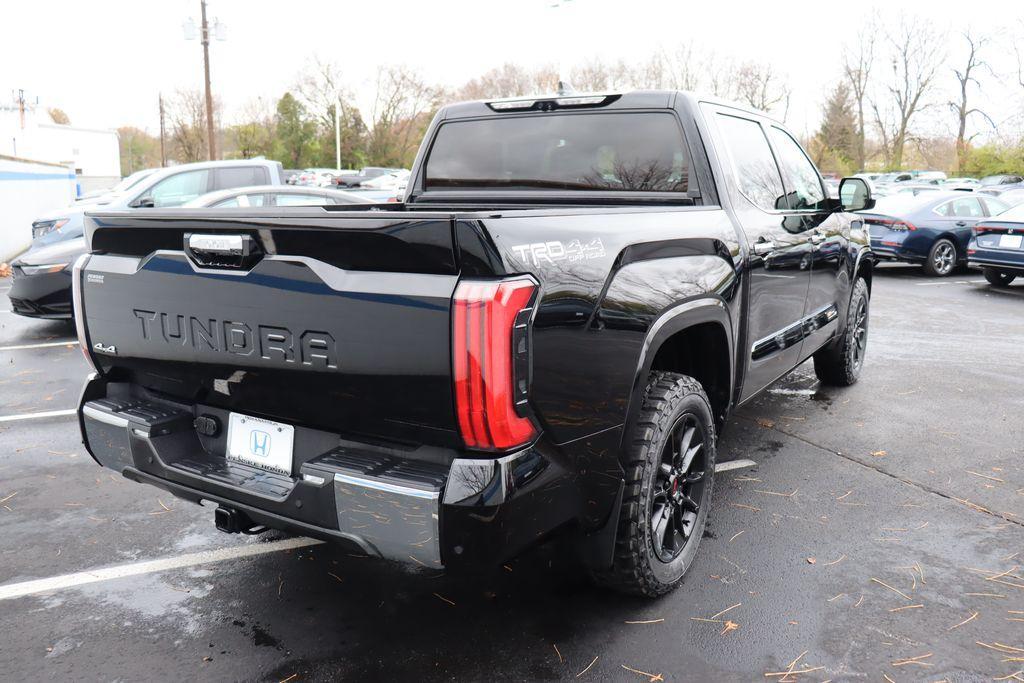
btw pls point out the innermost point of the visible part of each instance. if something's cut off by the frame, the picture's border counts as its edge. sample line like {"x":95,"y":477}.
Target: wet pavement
{"x":881,"y":534}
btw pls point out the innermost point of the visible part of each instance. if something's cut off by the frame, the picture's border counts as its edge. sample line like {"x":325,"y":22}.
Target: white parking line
{"x":950,"y":282}
{"x":42,"y":345}
{"x":35,"y":416}
{"x":56,"y":583}
{"x":734,"y":465}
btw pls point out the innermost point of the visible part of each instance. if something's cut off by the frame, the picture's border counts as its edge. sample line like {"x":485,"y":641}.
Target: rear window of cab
{"x":602,"y":152}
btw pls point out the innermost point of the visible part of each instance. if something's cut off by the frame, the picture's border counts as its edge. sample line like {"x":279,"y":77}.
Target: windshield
{"x":638,"y":152}
{"x":1014,"y":214}
{"x":132,"y":180}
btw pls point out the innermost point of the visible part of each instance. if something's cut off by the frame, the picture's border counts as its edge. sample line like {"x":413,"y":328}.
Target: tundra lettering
{"x":316,"y":348}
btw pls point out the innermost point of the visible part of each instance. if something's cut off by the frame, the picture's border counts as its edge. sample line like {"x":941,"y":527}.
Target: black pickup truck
{"x":546,"y":337}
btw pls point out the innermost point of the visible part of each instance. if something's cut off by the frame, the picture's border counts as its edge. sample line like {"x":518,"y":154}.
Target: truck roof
{"x":615,"y":100}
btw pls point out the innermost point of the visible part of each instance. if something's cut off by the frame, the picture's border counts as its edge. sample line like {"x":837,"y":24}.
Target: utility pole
{"x":163,"y":154}
{"x":205,"y":39}
{"x":21,"y":107}
{"x":337,"y":132}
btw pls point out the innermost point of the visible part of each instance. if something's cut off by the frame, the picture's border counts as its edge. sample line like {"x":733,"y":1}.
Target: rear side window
{"x":968,"y":207}
{"x":634,"y":152}
{"x":302,"y":200}
{"x":242,"y":176}
{"x":803,"y":184}
{"x":756,"y":170}
{"x":242,"y":200}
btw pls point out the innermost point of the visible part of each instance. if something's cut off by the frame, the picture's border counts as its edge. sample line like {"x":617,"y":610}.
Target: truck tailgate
{"x":343,"y":325}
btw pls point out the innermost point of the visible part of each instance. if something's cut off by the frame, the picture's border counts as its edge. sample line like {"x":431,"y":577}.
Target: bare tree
{"x":857,"y":64}
{"x":676,"y":69}
{"x":721,"y":76}
{"x":402,"y":109}
{"x":319,"y":88}
{"x":1020,"y":57}
{"x":187,"y":117}
{"x":916,"y":52}
{"x":758,"y":85}
{"x":596,"y":75}
{"x":509,"y":80}
{"x":960,"y":107}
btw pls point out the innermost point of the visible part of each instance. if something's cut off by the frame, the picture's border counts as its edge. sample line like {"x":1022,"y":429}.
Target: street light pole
{"x":205,"y":40}
{"x":337,"y":132}
{"x":163,"y":153}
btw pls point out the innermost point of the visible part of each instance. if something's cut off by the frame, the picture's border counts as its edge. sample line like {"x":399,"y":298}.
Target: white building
{"x":93,"y":153}
{"x":28,"y":190}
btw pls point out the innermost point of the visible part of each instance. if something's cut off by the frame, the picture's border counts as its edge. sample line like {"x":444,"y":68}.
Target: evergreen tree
{"x":297,"y":144}
{"x":837,"y":137}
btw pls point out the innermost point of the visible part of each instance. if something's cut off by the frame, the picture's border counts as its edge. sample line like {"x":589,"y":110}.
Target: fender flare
{"x":861,"y":254}
{"x":704,"y":309}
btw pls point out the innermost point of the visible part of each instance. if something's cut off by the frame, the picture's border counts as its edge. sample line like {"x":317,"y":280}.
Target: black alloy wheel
{"x":678,"y":488}
{"x":840,"y":363}
{"x":860,"y":334}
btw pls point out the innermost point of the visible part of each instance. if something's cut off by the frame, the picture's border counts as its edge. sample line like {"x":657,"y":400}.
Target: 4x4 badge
{"x":98,"y":346}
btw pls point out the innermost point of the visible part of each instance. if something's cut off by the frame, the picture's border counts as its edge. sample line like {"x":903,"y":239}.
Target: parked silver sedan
{"x":276,"y":195}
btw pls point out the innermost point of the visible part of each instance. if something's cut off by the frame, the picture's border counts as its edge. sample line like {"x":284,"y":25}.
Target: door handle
{"x":962,"y":224}
{"x":763,"y":247}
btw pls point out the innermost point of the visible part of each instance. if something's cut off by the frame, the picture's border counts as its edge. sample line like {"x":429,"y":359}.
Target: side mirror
{"x":143,"y":203}
{"x":855,"y":195}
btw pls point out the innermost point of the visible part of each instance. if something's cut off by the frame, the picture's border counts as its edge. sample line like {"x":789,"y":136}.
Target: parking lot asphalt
{"x":880,"y":536}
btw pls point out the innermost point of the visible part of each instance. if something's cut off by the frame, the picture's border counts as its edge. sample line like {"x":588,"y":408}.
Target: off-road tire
{"x":636,"y":569}
{"x":840,"y":363}
{"x":999,"y":278}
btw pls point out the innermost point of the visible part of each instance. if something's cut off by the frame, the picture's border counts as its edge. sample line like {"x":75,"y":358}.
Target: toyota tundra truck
{"x":545,"y":338}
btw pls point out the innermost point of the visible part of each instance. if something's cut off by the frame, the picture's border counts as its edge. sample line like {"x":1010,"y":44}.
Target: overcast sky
{"x":104,"y":62}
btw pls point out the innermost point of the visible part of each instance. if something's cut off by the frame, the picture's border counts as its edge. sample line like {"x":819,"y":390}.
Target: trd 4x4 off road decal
{"x":555,"y":251}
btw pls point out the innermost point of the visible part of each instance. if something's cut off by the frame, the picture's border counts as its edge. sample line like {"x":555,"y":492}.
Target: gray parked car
{"x":42,"y":275}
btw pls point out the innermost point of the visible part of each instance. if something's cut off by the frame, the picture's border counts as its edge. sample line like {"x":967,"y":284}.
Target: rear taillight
{"x":892,"y":224}
{"x":491,"y":362}
{"x":79,"y":313}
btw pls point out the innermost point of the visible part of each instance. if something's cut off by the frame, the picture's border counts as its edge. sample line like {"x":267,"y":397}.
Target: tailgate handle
{"x":222,"y":250}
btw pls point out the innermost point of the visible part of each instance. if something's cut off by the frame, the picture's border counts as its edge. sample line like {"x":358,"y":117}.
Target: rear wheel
{"x":670,"y":468}
{"x":941,"y":259}
{"x":999,"y":278}
{"x":840,"y":364}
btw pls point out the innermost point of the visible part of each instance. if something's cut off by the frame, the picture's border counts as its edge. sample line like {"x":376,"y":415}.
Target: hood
{"x":68,"y":211}
{"x":60,"y":252}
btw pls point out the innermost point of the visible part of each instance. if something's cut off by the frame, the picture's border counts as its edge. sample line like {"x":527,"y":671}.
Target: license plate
{"x":261,"y":443}
{"x":1010,"y":241}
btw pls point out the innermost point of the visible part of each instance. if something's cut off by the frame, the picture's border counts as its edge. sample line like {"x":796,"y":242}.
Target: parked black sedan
{"x":931,"y":229}
{"x":41,"y":286}
{"x":997,"y":247}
